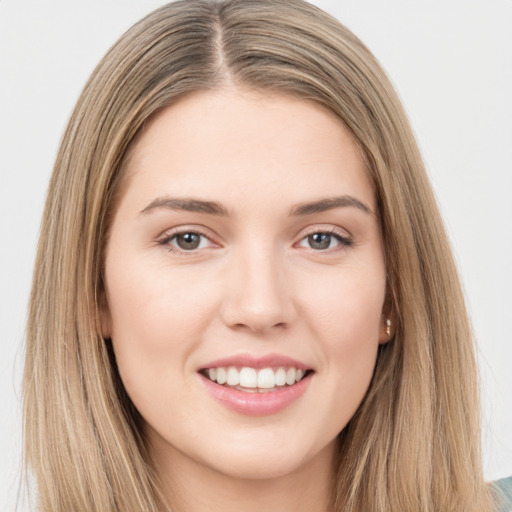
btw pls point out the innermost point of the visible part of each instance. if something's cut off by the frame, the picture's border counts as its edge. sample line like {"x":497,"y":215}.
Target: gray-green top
{"x":504,"y":487}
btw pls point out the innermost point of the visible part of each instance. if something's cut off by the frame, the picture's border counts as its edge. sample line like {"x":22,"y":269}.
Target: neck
{"x":193,"y":487}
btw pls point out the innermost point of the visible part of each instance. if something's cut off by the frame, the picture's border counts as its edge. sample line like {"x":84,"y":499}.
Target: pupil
{"x":188,"y":241}
{"x":319,"y":240}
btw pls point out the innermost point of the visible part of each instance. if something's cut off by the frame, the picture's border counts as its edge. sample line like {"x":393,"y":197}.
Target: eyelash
{"x":344,"y":241}
{"x":166,"y":241}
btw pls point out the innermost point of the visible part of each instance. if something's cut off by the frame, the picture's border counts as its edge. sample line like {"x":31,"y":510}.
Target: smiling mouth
{"x":252,"y":380}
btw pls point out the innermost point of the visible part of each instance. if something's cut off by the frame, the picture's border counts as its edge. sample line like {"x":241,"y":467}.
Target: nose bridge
{"x":258,"y":296}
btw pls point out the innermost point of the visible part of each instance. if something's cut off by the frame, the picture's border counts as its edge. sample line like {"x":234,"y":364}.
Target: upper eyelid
{"x":170,"y":234}
{"x":167,"y":236}
{"x":205,"y":231}
{"x":343,"y":240}
{"x":319,"y":228}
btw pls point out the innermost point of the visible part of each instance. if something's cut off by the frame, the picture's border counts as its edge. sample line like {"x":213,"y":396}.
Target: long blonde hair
{"x":414,"y":443}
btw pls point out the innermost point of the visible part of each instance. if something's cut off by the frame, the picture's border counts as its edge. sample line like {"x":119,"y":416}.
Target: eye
{"x":324,"y":240}
{"x":186,"y":241}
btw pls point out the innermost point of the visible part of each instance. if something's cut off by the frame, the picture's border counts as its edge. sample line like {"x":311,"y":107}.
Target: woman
{"x":243,"y":284}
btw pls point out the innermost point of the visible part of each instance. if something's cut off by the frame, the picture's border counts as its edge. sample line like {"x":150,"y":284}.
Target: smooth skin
{"x":253,"y":274}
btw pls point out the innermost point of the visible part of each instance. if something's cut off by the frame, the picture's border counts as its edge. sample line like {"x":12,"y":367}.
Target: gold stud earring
{"x":388,"y":327}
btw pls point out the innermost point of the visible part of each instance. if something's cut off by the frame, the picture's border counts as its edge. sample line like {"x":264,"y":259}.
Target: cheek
{"x":155,"y":322}
{"x":153,"y":305}
{"x":345,"y":315}
{"x":346,"y":307}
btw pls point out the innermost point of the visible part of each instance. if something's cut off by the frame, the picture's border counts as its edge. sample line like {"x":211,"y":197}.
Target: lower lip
{"x":255,"y":403}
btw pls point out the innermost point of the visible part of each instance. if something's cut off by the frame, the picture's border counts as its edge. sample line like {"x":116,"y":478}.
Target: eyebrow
{"x":214,"y":208}
{"x":331,"y":203}
{"x":187,"y":205}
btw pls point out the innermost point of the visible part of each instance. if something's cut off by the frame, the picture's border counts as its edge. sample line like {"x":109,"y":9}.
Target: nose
{"x":258,"y":297}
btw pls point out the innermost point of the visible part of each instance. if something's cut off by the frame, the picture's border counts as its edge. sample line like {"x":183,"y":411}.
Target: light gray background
{"x":451,"y":61}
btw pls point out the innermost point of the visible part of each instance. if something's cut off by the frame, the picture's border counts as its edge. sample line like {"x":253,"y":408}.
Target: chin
{"x":267,"y":461}
{"x":258,"y":466}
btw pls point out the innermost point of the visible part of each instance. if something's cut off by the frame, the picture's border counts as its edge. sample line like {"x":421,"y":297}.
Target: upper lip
{"x":257,"y":362}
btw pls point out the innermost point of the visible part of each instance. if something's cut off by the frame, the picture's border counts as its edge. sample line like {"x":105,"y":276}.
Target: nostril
{"x":258,"y":327}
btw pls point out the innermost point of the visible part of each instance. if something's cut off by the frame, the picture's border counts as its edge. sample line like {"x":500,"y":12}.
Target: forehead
{"x":229,"y":142}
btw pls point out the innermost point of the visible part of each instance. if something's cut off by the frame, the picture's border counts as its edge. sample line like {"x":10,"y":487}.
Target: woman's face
{"x":245,"y":247}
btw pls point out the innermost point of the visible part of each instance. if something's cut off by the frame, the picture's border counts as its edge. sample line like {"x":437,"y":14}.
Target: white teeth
{"x":266,"y":378}
{"x":221,"y":376}
{"x":233,"y":377}
{"x":290,"y":376}
{"x":250,"y":378}
{"x":281,"y":377}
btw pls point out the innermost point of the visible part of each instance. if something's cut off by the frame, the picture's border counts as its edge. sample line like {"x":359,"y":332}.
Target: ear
{"x":388,"y":321}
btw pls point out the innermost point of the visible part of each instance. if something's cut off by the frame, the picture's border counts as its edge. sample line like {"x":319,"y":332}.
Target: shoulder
{"x":504,"y":489}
